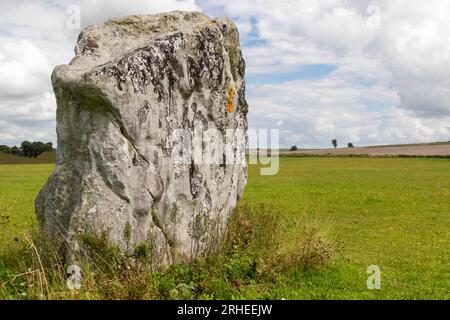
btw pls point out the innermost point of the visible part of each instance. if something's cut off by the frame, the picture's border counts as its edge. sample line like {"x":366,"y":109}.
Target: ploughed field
{"x":437,"y":149}
{"x":390,"y":212}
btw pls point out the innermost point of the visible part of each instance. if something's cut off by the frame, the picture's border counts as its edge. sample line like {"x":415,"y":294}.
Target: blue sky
{"x":310,"y":71}
{"x":367,"y":72}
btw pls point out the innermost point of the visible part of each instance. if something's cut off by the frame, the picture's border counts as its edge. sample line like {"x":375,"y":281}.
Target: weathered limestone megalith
{"x":139,"y":93}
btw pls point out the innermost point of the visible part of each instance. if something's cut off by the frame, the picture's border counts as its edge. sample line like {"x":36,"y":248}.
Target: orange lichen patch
{"x":230,"y":100}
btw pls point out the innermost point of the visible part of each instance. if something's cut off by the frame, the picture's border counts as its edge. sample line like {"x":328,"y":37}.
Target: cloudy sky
{"x":365,"y":71}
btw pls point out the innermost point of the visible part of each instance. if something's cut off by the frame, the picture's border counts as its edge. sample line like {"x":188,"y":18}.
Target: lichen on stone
{"x":230,"y":97}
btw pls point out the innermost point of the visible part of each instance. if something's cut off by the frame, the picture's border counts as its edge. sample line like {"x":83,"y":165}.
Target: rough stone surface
{"x":133,"y":82}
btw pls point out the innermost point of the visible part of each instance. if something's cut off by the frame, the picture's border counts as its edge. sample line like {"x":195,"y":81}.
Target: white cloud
{"x":30,"y":118}
{"x":24,"y":69}
{"x":415,"y":43}
{"x":406,"y":56}
{"x":40,"y":107}
{"x":315,"y":110}
{"x":94,"y":11}
{"x":12,"y":134}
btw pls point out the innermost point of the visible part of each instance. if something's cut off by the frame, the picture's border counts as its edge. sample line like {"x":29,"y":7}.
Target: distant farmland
{"x":46,"y":157}
{"x":438,"y":149}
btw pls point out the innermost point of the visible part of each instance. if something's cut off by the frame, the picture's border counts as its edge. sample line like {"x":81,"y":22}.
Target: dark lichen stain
{"x":143,"y":112}
{"x":149,"y":65}
{"x":196,"y":180}
{"x":87,"y":45}
{"x":242,"y":102}
{"x":210,"y":61}
{"x":199,"y":116}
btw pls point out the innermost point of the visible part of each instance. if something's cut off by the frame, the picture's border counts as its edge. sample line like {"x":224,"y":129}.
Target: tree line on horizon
{"x":27,"y":149}
{"x":334,"y":142}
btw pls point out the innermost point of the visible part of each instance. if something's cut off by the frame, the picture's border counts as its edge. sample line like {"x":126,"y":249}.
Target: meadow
{"x":390,"y":212}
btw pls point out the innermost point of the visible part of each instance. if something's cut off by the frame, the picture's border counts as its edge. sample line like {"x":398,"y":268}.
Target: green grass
{"x":394,"y":213}
{"x":19,"y":185}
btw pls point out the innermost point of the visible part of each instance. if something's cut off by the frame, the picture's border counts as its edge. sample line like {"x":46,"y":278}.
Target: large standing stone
{"x":123,"y":166}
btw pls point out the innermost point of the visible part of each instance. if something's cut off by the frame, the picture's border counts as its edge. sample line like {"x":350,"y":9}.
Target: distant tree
{"x":294,"y":148}
{"x":30,"y":149}
{"x":5,"y":149}
{"x":15,"y":150}
{"x":48,"y":146}
{"x":26,"y":148}
{"x":334,"y":142}
{"x":350,"y":145}
{"x":36,"y":149}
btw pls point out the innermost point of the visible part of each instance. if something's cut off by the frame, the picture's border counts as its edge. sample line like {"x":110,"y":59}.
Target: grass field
{"x":393,"y":213}
{"x":19,"y":185}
